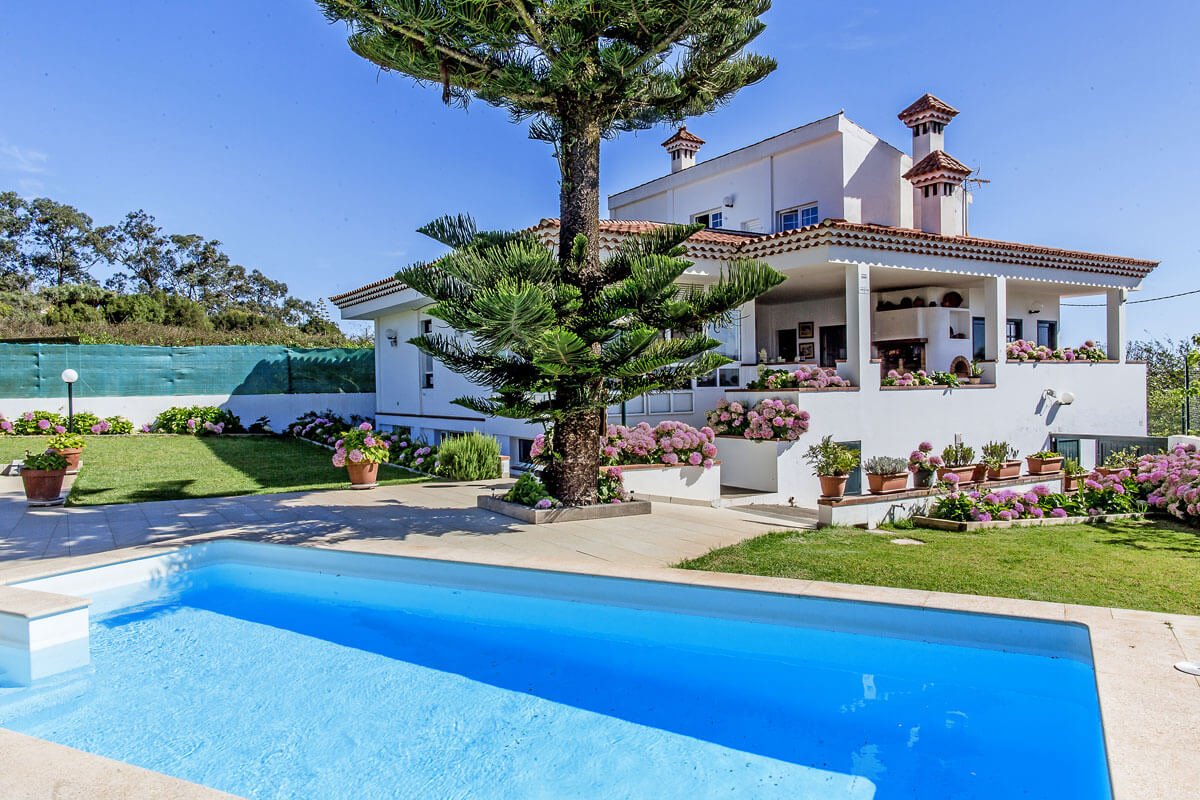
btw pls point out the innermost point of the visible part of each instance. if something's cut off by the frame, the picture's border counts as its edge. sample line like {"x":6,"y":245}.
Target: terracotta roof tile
{"x":928,"y":103}
{"x":938,"y":161}
{"x":683,"y":135}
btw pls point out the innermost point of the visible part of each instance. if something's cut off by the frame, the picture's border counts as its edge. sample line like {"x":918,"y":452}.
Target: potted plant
{"x":958,"y":460}
{"x":69,"y":446}
{"x":832,"y":464}
{"x":1072,"y":475}
{"x":1044,"y":462}
{"x":43,"y":476}
{"x":360,"y":450}
{"x":886,"y":474}
{"x":976,"y":375}
{"x":1000,"y":460}
{"x":1119,"y":460}
{"x":923,"y":464}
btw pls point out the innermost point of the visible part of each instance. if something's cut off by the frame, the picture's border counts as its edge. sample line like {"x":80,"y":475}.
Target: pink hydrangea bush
{"x":1171,"y":482}
{"x":361,"y":445}
{"x":918,"y":378}
{"x":6,"y":427}
{"x":35,"y":423}
{"x":1025,"y":350}
{"x":768,"y":419}
{"x":1110,"y":494}
{"x":670,"y":442}
{"x":802,"y":378}
{"x":923,"y":459}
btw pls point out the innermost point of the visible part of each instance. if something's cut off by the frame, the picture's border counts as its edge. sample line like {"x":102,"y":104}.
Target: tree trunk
{"x":576,"y":443}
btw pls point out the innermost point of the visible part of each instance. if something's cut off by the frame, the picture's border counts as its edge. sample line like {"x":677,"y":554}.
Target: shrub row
{"x":34,"y":423}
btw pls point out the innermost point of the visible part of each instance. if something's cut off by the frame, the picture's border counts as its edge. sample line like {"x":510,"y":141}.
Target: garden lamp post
{"x":69,"y":377}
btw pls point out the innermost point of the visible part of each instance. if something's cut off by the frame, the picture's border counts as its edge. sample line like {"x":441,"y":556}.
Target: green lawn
{"x":1153,"y":565}
{"x":134,"y":469}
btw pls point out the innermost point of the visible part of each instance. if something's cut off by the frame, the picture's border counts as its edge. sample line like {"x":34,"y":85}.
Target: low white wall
{"x":280,"y":408}
{"x":679,"y":483}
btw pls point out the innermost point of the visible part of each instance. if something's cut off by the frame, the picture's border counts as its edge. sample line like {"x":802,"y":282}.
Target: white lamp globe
{"x":69,"y":376}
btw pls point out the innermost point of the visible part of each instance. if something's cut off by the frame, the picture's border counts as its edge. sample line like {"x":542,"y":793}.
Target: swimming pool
{"x":268,"y":671}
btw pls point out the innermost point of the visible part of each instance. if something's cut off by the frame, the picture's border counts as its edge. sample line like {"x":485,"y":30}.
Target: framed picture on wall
{"x":807,"y":352}
{"x":804,"y":330}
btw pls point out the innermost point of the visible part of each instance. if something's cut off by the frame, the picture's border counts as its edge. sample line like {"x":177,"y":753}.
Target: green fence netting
{"x":115,"y":370}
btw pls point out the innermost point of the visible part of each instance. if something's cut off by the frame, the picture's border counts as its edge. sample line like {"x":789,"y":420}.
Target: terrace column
{"x":995,"y":318}
{"x":858,"y":326}
{"x":1116,"y":346}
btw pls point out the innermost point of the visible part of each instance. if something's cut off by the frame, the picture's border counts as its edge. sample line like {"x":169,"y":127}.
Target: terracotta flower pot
{"x":979,"y":473}
{"x":43,"y":485}
{"x":887,"y":484}
{"x":965,"y":474}
{"x":362,"y":474}
{"x":1043,"y":466}
{"x":72,"y":455}
{"x":1106,"y":471}
{"x":1071,"y":482}
{"x":833,"y":485}
{"x":975,"y":380}
{"x":1011,"y":469}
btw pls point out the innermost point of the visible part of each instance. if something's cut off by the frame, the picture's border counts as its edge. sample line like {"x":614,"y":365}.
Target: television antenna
{"x":972,"y":181}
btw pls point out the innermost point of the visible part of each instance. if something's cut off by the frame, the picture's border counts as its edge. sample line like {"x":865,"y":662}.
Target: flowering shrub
{"x":6,"y":426}
{"x":611,"y":488}
{"x":768,"y":419}
{"x":32,"y":423}
{"x":321,"y":427}
{"x":360,"y":445}
{"x":84,"y":421}
{"x":110,"y":426}
{"x":803,"y":378}
{"x":923,"y":459}
{"x":1025,"y":350}
{"x":1171,"y":482}
{"x":529,"y":491}
{"x":670,"y":442}
{"x":918,"y":378}
{"x":1113,"y":494}
{"x":195,"y":420}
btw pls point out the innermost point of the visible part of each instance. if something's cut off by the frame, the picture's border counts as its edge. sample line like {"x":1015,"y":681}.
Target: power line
{"x":1131,"y":302}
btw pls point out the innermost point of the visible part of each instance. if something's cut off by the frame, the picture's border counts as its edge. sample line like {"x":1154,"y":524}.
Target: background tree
{"x":580,"y":70}
{"x":63,"y":246}
{"x":15,"y":221}
{"x":140,"y":248}
{"x":1166,"y":389}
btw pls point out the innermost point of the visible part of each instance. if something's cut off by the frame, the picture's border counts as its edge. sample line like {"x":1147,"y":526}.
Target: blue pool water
{"x":269,"y":683}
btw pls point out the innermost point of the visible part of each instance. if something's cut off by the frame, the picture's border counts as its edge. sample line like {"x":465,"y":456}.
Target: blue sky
{"x":250,"y":121}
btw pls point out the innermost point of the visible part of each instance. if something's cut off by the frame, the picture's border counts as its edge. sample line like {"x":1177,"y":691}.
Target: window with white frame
{"x":711,"y":219}
{"x":426,"y":359}
{"x":730,"y":337}
{"x":800,"y":217}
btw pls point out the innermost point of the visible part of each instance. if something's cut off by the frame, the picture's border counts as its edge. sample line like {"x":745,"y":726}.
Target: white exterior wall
{"x":281,"y":409}
{"x":771,"y":318}
{"x":871,"y":171}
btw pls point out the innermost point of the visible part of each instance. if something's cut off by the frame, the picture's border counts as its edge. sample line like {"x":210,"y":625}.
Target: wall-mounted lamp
{"x":728,"y":201}
{"x":1035,"y":308}
{"x":391,"y":336}
{"x":1062,"y":398}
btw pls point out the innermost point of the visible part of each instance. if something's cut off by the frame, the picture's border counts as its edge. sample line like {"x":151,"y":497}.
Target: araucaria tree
{"x":579,"y":70}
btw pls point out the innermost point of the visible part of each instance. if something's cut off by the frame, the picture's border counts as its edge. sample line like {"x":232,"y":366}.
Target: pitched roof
{"x":725,"y":244}
{"x":683,"y":135}
{"x":935,"y":162}
{"x":927,"y":104}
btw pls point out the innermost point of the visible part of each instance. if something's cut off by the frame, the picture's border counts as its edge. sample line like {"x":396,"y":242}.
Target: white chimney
{"x":682,"y":148}
{"x":928,"y":118}
{"x":938,"y":199}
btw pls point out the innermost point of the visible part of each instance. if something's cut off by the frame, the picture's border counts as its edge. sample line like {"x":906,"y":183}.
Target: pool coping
{"x":1146,"y":706}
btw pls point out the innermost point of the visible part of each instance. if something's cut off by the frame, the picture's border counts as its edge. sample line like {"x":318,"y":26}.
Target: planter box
{"x":962,"y":527}
{"x":1071,"y":483}
{"x":1011,"y":469}
{"x":535,"y":516}
{"x":767,"y":465}
{"x":887,"y":484}
{"x":965,"y":474}
{"x":680,"y":482}
{"x":1043,"y":466}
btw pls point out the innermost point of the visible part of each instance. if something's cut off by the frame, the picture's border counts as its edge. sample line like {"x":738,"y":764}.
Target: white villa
{"x":881,"y":275}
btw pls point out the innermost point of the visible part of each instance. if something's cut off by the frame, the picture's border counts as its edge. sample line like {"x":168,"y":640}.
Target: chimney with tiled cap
{"x":936,"y":176}
{"x":682,"y":148}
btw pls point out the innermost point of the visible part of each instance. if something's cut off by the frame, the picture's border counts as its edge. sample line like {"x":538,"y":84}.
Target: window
{"x":1014,"y":330}
{"x":524,"y":451}
{"x":799,"y":217}
{"x":1047,"y":333}
{"x":978,"y":336}
{"x":710,"y":219}
{"x":426,"y":359}
{"x":730,"y":337}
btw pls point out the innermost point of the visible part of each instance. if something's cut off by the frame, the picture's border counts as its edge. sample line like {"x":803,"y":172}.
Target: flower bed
{"x":325,"y":429}
{"x":1172,"y":482}
{"x":671,"y":443}
{"x":1025,"y":350}
{"x":921,"y":378}
{"x":1099,"y":495}
{"x":802,"y":378}
{"x":767,"y":420}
